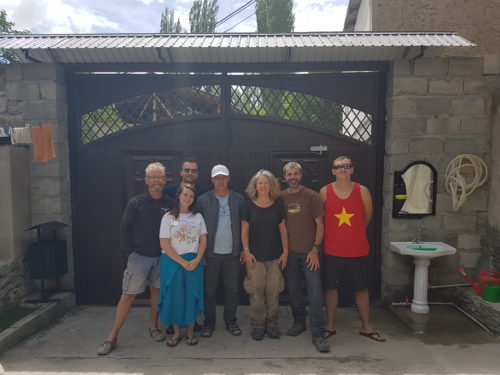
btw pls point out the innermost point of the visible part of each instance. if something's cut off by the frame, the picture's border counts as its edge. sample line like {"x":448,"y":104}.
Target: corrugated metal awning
{"x":227,"y":48}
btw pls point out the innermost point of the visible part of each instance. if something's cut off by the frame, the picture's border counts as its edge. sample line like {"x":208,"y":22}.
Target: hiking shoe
{"x":233,"y":329}
{"x":273,"y":332}
{"x":106,"y":347}
{"x":258,"y":333}
{"x":321,"y":345}
{"x":296,"y":329}
{"x":207,"y":331}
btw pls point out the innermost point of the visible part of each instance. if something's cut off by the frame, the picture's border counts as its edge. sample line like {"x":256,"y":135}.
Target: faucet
{"x":419,"y":232}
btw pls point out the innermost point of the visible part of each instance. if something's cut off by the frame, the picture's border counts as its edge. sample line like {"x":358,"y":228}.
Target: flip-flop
{"x":327,"y":333}
{"x":375,"y":336}
{"x":173,"y":341}
{"x":192,"y":341}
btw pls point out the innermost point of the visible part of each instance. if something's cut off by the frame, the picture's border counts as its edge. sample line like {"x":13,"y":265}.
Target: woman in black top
{"x":265,"y":252}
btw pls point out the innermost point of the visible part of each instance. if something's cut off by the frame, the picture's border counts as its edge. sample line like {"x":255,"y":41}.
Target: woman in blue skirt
{"x":183,"y":239}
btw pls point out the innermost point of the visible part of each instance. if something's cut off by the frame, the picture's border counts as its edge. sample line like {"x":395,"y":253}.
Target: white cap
{"x":220,"y":169}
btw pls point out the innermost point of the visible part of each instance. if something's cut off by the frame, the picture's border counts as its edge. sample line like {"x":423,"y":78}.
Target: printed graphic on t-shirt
{"x":344,"y":217}
{"x":183,"y":232}
{"x":294,"y":208}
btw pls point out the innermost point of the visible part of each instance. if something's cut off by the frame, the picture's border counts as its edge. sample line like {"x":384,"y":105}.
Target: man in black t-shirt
{"x":139,"y":235}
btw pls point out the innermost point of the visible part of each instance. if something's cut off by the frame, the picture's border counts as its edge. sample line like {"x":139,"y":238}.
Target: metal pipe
{"x":446,"y":286}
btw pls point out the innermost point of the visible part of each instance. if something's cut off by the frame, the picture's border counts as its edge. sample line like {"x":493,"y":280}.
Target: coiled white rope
{"x":456,"y":184}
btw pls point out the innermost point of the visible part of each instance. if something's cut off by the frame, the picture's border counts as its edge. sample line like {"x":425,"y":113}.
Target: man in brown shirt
{"x":304,"y":220}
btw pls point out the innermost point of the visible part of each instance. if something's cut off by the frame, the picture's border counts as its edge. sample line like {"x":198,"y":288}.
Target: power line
{"x":232,"y":14}
{"x":244,"y":19}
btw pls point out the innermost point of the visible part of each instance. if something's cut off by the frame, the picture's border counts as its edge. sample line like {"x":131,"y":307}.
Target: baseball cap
{"x":220,"y":169}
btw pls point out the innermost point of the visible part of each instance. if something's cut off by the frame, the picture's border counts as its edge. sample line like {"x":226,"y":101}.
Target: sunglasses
{"x":188,"y":170}
{"x":342,"y":166}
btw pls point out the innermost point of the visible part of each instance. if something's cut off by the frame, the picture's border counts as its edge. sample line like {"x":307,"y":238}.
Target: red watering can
{"x":486,"y":277}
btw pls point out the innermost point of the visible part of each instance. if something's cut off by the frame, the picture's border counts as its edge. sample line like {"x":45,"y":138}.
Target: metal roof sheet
{"x":227,"y":48}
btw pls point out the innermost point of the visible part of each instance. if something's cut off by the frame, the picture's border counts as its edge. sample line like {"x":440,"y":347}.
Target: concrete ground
{"x":451,"y":344}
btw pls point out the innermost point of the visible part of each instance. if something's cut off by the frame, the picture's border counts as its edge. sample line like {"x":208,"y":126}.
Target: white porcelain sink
{"x":422,"y":254}
{"x":428,"y":250}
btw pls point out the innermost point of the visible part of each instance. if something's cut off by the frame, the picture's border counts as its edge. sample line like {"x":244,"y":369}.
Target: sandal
{"x":173,"y":341}
{"x":375,"y":336}
{"x":327,"y":333}
{"x":192,"y":341}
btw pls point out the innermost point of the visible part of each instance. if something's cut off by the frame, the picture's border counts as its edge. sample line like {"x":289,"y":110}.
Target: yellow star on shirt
{"x":344,"y":217}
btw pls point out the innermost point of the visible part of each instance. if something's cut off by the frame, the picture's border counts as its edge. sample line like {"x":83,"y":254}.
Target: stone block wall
{"x":438,"y":108}
{"x":35,"y":94}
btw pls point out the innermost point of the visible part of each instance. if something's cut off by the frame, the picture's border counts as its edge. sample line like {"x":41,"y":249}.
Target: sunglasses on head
{"x":342,"y":166}
{"x":188,"y":170}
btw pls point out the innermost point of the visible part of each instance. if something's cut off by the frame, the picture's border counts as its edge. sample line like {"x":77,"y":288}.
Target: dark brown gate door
{"x":246,"y":122}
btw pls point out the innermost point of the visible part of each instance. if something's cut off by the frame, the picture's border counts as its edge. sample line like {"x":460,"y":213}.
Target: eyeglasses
{"x":188,"y":170}
{"x":156,"y":177}
{"x":342,"y":166}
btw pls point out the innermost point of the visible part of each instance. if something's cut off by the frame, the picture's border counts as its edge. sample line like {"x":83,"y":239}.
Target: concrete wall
{"x":475,"y":20}
{"x":39,"y":192}
{"x":439,"y":108}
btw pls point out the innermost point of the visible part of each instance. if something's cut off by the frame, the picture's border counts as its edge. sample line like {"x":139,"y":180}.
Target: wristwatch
{"x":317,"y":246}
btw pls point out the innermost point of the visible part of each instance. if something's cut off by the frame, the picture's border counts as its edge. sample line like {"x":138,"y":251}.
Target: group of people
{"x":181,"y":239}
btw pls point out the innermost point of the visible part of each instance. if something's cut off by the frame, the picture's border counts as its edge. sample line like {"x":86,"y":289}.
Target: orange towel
{"x":43,"y":144}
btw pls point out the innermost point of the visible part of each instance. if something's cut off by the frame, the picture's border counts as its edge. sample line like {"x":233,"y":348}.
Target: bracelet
{"x":246,"y":248}
{"x":317,"y":246}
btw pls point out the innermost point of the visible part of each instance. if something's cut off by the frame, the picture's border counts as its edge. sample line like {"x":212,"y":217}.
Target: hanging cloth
{"x":43,"y":144}
{"x":20,"y":136}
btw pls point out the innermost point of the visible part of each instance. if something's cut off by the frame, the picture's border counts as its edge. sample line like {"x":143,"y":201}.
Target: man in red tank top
{"x":348,"y":210}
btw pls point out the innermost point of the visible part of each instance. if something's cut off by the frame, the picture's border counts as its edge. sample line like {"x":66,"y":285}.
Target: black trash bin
{"x":47,"y":257}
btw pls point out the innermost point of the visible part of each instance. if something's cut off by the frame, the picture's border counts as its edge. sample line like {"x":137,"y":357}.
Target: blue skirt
{"x":181,"y":291}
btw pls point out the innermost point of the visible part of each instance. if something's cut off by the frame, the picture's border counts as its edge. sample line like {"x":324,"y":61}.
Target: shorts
{"x":141,"y":271}
{"x":339,"y":271}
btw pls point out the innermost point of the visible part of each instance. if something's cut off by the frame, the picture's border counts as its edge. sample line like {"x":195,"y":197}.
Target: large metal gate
{"x":121,"y":122}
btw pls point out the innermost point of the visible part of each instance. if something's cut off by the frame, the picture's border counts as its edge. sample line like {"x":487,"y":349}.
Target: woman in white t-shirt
{"x":183,"y":240}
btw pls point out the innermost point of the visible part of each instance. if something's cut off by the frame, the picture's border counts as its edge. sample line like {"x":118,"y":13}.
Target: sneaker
{"x":156,"y":335}
{"x":296,"y":329}
{"x":197,"y":327}
{"x":233,"y":329}
{"x":106,"y":347}
{"x":170,"y":329}
{"x":207,"y":331}
{"x":273,"y":332}
{"x":321,"y":345}
{"x":258,"y":333}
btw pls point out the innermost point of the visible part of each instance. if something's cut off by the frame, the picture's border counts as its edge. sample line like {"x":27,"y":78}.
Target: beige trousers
{"x":264,"y":283}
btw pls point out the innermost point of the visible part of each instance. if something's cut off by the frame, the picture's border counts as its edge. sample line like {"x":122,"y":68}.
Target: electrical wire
{"x":456,"y":185}
{"x":232,"y":14}
{"x":244,"y":19}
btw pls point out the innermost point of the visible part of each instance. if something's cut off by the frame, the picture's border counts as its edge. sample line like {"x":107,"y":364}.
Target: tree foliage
{"x":6,"y":27}
{"x":168,"y":24}
{"x":203,"y":16}
{"x":274,"y":16}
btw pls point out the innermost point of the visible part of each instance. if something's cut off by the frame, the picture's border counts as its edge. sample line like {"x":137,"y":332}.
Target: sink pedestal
{"x":422,"y":254}
{"x":419,"y":303}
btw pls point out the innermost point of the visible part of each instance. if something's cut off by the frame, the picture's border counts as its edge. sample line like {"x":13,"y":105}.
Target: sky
{"x":143,"y":16}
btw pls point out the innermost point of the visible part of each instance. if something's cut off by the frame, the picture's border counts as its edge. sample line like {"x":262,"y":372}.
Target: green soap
{"x":422,"y":248}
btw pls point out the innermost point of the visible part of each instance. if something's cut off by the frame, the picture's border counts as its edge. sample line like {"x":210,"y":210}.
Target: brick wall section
{"x":438,"y":108}
{"x":36,"y":94}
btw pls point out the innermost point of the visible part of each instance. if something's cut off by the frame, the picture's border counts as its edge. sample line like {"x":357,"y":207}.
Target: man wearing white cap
{"x":222,"y":210}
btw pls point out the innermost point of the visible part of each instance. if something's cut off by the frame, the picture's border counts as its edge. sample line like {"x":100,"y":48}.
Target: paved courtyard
{"x":452,"y":345}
